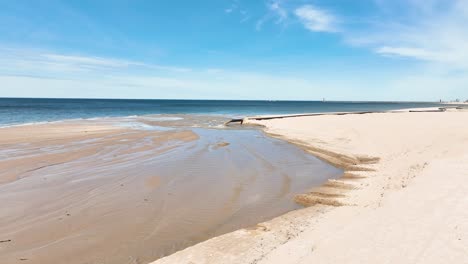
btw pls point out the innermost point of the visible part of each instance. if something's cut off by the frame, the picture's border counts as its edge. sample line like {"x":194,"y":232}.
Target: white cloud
{"x":316,"y":19}
{"x":31,"y":74}
{"x":14,"y":61}
{"x":35,"y":73}
{"x":406,"y":52}
{"x":431,"y":31}
{"x":278,"y":10}
{"x":198,"y":85}
{"x":84,"y":61}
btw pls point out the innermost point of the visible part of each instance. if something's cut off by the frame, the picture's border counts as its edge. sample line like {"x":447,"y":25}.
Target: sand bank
{"x":403,"y":198}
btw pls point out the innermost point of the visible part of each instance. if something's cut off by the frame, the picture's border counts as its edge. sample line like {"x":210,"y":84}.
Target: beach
{"x":402,"y":199}
{"x":327,"y":187}
{"x":234,"y":132}
{"x":134,"y":189}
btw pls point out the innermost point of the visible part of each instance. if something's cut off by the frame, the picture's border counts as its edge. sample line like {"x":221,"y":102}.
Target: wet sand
{"x":131,"y":191}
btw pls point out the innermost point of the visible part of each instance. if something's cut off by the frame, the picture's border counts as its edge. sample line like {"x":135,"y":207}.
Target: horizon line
{"x":258,"y":100}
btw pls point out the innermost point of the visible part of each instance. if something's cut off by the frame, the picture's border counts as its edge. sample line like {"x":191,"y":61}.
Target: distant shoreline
{"x":220,"y":99}
{"x":27,"y":110}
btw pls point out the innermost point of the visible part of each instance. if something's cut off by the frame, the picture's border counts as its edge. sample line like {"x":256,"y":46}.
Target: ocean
{"x":32,"y":110}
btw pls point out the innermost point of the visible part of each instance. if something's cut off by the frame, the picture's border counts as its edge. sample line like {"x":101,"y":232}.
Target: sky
{"x":389,"y":50}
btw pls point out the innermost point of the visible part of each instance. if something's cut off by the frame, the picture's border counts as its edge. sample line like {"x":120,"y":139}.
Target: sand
{"x":117,"y":190}
{"x":403,"y":199}
{"x":78,"y":192}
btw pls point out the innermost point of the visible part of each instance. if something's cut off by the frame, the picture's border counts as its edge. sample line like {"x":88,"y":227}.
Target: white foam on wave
{"x":34,"y":123}
{"x":163,"y":118}
{"x":142,"y":126}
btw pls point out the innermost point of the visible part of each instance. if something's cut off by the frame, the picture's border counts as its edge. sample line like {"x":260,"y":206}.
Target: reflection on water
{"x":137,"y":195}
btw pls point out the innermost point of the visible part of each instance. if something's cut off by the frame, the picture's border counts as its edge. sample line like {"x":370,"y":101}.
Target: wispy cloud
{"x":44,"y":73}
{"x":196,"y":85}
{"x":236,"y":8}
{"x":276,"y":12}
{"x":82,"y":61}
{"x":231,"y":8}
{"x":245,"y":16}
{"x":280,"y":12}
{"x":430,"y":34}
{"x":417,"y":53}
{"x":316,"y":19}
{"x":432,"y":31}
{"x":21,"y":61}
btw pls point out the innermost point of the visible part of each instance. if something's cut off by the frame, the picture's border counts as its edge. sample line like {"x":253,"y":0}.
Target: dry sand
{"x":404,"y":198}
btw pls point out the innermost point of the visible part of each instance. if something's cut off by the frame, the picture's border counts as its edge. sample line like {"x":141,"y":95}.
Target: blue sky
{"x":235,"y":49}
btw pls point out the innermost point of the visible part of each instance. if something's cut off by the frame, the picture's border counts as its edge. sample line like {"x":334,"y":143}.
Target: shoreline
{"x":371,"y":184}
{"x":331,"y":192}
{"x":22,"y":118}
{"x":69,"y":181}
{"x":246,"y":119}
{"x":349,"y":141}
